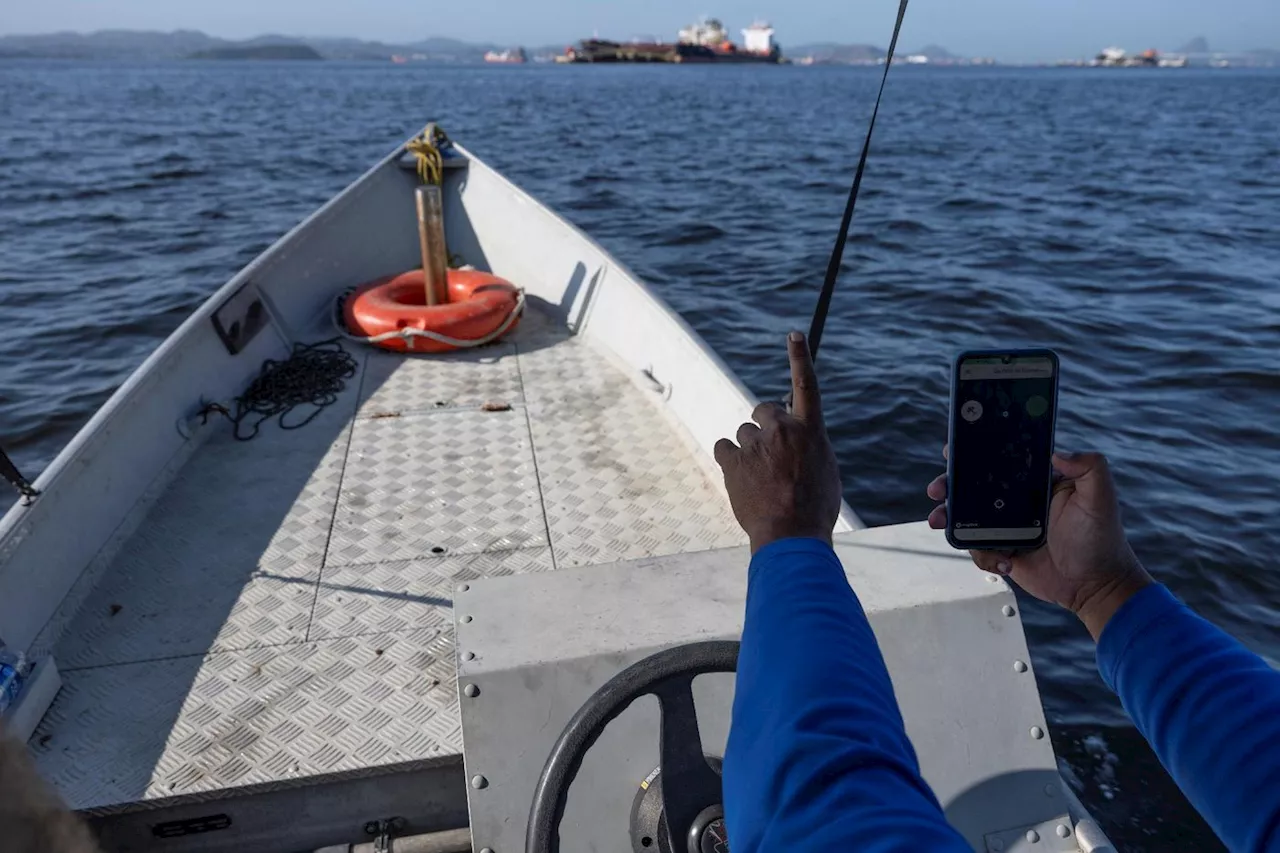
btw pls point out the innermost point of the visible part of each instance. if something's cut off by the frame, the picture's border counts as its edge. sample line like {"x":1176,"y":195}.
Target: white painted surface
{"x":758,"y":38}
{"x":941,"y":625}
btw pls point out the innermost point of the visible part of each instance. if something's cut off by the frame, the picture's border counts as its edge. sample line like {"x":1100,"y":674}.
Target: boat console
{"x":596,"y":702}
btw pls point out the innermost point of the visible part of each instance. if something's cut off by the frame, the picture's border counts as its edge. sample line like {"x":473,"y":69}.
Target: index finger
{"x":806,"y":402}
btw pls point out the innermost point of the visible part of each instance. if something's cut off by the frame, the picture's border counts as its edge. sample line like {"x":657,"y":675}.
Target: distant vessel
{"x":1116,"y":57}
{"x":708,"y":41}
{"x":704,"y":41}
{"x":515,"y":56}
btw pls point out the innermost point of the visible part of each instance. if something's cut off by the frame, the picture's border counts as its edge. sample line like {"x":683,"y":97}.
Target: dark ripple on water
{"x":1129,"y":221}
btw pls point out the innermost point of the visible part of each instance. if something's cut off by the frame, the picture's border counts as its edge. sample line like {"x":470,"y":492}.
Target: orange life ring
{"x":479,"y":305}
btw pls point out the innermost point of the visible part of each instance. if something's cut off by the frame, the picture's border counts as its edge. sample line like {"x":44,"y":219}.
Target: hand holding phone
{"x":1080,"y":558}
{"x":1003,"y":410}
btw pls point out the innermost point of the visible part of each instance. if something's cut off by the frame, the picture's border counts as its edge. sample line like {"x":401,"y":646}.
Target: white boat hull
{"x":165,"y":565}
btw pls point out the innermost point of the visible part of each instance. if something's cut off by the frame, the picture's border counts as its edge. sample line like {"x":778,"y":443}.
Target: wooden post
{"x":435,"y":254}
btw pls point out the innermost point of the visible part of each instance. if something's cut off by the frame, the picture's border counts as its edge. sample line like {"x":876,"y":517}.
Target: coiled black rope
{"x":312,"y":375}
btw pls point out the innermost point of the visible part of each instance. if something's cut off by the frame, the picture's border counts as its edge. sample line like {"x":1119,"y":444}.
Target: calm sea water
{"x":1131,"y":220}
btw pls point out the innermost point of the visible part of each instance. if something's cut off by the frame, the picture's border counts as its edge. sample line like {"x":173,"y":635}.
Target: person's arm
{"x":1209,"y":707}
{"x":818,"y":758}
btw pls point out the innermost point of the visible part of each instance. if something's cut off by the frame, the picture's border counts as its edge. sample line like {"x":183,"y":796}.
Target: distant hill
{"x":355,"y":49}
{"x":447,"y":48}
{"x":863,"y":54}
{"x":180,"y":44}
{"x":260,"y":51}
{"x":1199,"y":44}
{"x":837,"y":53}
{"x":109,"y":44}
{"x":936,"y":53}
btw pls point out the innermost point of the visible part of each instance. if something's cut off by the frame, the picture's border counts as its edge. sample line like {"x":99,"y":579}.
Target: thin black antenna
{"x":837,"y":253}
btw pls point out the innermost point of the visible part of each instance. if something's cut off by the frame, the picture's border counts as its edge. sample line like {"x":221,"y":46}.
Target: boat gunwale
{"x":171,"y":344}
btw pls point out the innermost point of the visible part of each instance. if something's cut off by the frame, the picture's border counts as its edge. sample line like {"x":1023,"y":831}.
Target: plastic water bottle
{"x":14,"y":669}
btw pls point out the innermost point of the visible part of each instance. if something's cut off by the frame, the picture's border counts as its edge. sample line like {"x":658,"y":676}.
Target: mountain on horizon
{"x":181,"y":44}
{"x":109,"y":44}
{"x":271,"y":50}
{"x":1199,"y":44}
{"x":936,"y":52}
{"x":837,"y":53}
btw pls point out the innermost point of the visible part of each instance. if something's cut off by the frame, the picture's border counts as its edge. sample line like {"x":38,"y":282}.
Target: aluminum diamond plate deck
{"x":453,"y":482}
{"x":227,"y":559}
{"x":394,"y":384}
{"x":284,"y":609}
{"x":618,"y":484}
{"x":389,"y":597}
{"x":190,"y":725}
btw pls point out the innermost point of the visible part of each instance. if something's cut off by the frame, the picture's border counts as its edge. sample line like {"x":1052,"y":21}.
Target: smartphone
{"x":1004,"y":404}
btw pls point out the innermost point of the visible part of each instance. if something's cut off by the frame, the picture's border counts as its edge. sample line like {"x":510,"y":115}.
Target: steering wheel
{"x":691,"y":797}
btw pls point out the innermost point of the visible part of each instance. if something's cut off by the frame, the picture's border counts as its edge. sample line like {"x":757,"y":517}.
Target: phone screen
{"x":1002,"y":418}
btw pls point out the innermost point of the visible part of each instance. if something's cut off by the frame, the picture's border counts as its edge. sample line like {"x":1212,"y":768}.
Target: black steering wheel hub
{"x":685,"y":812}
{"x":708,"y":835}
{"x":649,"y":822}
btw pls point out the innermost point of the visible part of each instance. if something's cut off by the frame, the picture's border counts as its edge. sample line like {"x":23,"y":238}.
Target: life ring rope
{"x":408,"y":334}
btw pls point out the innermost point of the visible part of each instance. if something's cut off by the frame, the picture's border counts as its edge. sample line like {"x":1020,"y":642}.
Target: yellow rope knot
{"x":426,"y":148}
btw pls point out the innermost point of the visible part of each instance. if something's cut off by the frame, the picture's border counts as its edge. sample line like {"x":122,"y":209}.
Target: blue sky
{"x":1006,"y":29}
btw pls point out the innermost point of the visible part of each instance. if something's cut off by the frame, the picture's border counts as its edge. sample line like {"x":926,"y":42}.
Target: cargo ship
{"x":1116,"y":57}
{"x":705,"y":41}
{"x":516,"y":56}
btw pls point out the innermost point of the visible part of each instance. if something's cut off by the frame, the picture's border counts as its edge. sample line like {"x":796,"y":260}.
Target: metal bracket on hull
{"x":382,"y":831}
{"x":238,"y":320}
{"x":11,"y":473}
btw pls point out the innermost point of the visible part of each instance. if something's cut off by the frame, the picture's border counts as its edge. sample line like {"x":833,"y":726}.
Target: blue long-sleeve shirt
{"x":818,"y":758}
{"x":1209,"y":707}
